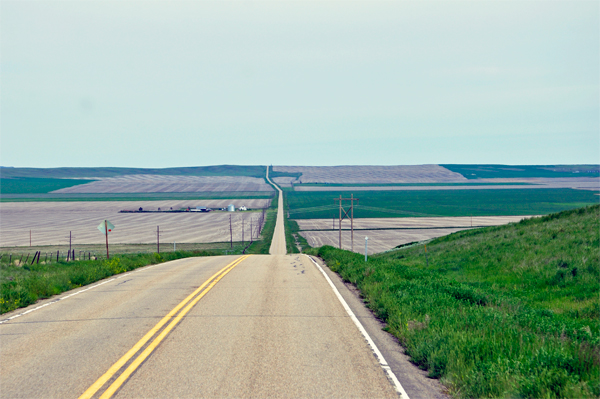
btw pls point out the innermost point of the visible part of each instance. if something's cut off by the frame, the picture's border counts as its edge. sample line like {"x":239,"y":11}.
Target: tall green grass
{"x":263,"y":245}
{"x":24,"y":285}
{"x":509,"y":311}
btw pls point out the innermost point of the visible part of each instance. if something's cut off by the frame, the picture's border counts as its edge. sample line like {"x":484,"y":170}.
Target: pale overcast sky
{"x":160,"y":84}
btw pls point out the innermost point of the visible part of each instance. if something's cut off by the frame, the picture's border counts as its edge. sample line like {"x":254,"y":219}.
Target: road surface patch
{"x":382,"y":362}
{"x":172,"y":316}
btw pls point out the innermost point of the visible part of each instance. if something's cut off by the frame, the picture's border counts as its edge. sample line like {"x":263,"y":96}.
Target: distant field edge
{"x":490,"y":171}
{"x":135,"y":196}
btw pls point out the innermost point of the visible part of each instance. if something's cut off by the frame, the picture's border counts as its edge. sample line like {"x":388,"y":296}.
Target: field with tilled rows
{"x":371,"y":174}
{"x":409,"y":223}
{"x":169,"y":184}
{"x":379,"y":240}
{"x":387,"y":233}
{"x":50,"y":222}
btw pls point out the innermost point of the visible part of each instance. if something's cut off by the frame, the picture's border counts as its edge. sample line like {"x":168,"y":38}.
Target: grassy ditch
{"x":293,"y":239}
{"x":263,"y":245}
{"x":508,"y":311}
{"x":21,"y":286}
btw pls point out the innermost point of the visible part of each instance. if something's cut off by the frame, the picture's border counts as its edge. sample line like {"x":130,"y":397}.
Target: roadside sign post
{"x":106,"y":227}
{"x":366,"y":245}
{"x":106,"y":234}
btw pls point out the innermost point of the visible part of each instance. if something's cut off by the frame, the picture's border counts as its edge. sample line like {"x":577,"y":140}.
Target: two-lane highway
{"x":229,"y":326}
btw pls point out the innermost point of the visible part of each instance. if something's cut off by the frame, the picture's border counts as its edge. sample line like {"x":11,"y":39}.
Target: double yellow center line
{"x":174,"y":317}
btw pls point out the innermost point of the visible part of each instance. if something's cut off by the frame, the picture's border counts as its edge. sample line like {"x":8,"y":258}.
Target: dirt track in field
{"x":372,"y":174}
{"x":50,"y":222}
{"x":168,"y":184}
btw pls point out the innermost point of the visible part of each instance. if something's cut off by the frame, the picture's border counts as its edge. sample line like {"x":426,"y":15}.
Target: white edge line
{"x":80,"y":291}
{"x":384,"y":365}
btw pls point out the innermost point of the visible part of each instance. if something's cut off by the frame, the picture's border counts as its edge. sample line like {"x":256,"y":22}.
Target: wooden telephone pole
{"x":344,"y":214}
{"x":157,"y":239}
{"x":230,"y":232}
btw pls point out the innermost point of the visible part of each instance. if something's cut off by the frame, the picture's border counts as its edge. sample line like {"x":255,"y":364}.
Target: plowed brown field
{"x":169,"y":184}
{"x":373,"y":174}
{"x":379,"y":240}
{"x":409,"y":223}
{"x":50,"y":222}
{"x":399,"y":230}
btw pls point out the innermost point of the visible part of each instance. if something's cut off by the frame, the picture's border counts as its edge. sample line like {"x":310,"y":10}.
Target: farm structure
{"x":51,"y":222}
{"x":169,"y":184}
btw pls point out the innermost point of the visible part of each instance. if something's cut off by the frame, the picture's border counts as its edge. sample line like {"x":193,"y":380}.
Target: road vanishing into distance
{"x":258,"y":326}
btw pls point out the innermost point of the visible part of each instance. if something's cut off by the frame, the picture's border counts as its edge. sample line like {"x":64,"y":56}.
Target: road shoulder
{"x":414,"y":380}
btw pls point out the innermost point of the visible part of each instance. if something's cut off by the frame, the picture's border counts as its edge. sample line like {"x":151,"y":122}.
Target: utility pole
{"x":29,"y":237}
{"x":251,"y":232}
{"x":345,"y":214}
{"x":230,"y":232}
{"x":157,"y":239}
{"x":242,"y":230}
{"x":340,"y":222}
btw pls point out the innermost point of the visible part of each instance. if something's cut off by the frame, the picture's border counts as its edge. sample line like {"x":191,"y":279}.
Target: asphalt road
{"x":229,"y":326}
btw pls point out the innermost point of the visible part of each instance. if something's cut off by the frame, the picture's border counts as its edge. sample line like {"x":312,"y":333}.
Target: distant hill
{"x":516,"y":171}
{"x":57,"y":173}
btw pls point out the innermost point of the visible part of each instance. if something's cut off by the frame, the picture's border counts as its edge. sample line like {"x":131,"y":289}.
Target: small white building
{"x":242,"y":208}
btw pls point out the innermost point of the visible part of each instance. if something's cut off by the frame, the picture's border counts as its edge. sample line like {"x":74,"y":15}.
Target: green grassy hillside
{"x":508,"y":311}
